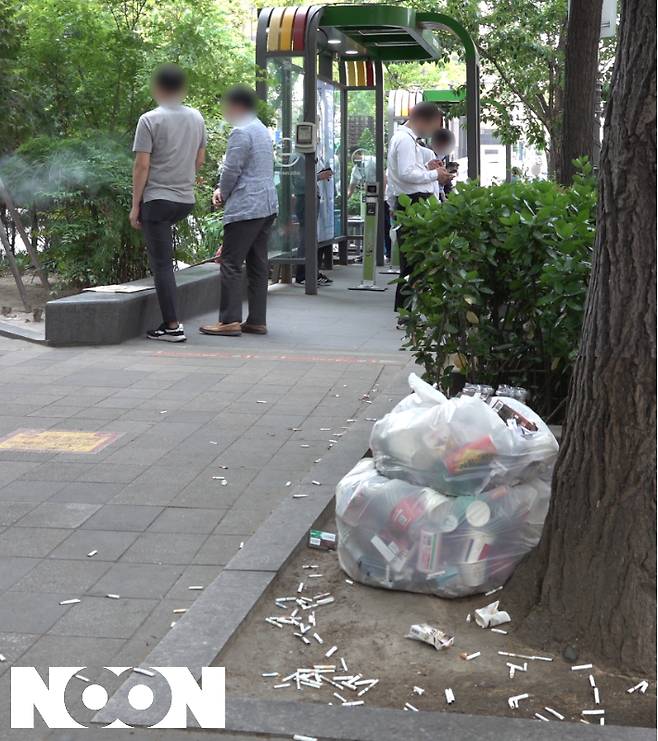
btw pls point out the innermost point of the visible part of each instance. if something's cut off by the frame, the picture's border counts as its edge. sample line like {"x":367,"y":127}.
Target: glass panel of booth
{"x":326,"y":160}
{"x":285,"y":96}
{"x":361,"y":160}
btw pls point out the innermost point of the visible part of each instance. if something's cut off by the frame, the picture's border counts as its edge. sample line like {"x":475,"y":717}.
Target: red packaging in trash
{"x":471,"y":454}
{"x":406,"y":512}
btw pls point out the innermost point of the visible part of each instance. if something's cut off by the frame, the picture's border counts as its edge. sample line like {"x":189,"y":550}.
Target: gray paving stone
{"x":56,"y":650}
{"x":240,"y":522}
{"x":29,"y":491}
{"x":13,"y":568}
{"x":149,"y":634}
{"x":12,"y":647}
{"x":31,"y":612}
{"x":55,"y":471}
{"x":97,"y":413}
{"x":157,"y":485}
{"x":102,"y":617}
{"x":122,"y":517}
{"x":136,"y":454}
{"x":32,"y":542}
{"x":218,"y":549}
{"x":58,"y":514}
{"x":60,"y":575}
{"x":164,"y":548}
{"x":195,"y":575}
{"x":10,"y":512}
{"x":142,"y":580}
{"x":89,"y":492}
{"x":112,"y":474}
{"x":110,"y":545}
{"x":186,"y":520}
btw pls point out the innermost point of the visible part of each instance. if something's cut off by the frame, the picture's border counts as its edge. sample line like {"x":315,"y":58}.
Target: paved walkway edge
{"x":217,"y":614}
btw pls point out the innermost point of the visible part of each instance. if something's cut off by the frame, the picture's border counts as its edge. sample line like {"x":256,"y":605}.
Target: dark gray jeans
{"x":158,"y":218}
{"x":245,"y":241}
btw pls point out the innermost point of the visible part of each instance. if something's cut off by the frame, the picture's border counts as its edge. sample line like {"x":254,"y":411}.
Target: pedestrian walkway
{"x":194,"y":446}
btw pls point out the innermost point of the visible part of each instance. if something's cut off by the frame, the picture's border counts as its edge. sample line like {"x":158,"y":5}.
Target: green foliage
{"x":74,"y":78}
{"x":499,"y":282}
{"x":81,"y":189}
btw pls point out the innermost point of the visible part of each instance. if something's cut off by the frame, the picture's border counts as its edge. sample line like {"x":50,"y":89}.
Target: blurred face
{"x":234,"y":113}
{"x":425,"y":127}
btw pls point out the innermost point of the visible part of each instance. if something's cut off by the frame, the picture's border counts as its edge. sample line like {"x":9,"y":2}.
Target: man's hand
{"x":133,"y":216}
{"x":218,"y":254}
{"x":217,"y":199}
{"x":444,"y":176}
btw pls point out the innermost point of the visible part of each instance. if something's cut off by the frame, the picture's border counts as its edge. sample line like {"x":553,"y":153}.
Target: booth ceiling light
{"x":336,"y":42}
{"x":351,"y":51}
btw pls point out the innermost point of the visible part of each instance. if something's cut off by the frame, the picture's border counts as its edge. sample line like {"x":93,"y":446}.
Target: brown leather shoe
{"x":225,"y":330}
{"x":254,"y":328}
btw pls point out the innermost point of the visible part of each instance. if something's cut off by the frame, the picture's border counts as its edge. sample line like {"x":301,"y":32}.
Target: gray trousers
{"x":245,"y":241}
{"x":158,"y":218}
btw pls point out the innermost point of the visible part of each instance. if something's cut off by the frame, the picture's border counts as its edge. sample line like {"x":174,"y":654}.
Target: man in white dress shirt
{"x":410,"y":173}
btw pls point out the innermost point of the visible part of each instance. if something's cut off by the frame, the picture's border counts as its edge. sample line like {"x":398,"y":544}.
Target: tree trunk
{"x":581,"y":68}
{"x":592,"y":580}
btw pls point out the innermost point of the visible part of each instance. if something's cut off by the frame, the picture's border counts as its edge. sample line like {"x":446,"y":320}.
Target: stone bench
{"x":93,"y":318}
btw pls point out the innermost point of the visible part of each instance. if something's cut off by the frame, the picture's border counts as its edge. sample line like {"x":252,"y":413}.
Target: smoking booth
{"x":321,"y":70}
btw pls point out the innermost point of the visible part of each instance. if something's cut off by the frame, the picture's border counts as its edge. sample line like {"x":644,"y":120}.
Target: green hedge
{"x":499,"y":277}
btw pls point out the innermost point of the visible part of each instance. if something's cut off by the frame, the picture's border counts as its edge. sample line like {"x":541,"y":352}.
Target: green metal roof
{"x":444,"y":97}
{"x":384,"y":32}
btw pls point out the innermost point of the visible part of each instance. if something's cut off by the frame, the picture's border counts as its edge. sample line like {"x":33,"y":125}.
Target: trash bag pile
{"x":455,"y":495}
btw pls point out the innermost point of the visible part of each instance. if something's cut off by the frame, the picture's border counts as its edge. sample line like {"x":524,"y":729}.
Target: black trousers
{"x":158,"y":218}
{"x":245,"y":241}
{"x":403,"y":292}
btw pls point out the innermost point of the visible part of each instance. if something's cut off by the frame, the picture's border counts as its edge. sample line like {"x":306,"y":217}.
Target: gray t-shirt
{"x":173,"y":135}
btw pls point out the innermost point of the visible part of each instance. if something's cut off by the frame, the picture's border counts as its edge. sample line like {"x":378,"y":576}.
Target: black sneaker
{"x":167,"y":335}
{"x":324,"y":280}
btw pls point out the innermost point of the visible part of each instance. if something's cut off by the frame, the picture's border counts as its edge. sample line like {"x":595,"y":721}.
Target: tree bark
{"x":581,"y":69}
{"x":591,"y":582}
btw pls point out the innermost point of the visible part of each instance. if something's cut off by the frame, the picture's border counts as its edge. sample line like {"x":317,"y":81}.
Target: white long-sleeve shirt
{"x":407,"y":165}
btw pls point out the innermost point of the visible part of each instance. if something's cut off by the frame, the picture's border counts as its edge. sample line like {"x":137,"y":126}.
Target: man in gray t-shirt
{"x":170,"y":146}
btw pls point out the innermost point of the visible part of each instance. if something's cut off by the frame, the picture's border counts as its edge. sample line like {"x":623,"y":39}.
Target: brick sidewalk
{"x":148,"y":502}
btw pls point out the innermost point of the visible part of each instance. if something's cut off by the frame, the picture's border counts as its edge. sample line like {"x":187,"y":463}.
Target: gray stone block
{"x":59,"y":514}
{"x":104,"y":618}
{"x":33,"y":542}
{"x":164,"y":548}
{"x":110,"y":545}
{"x":91,"y":318}
{"x":122,"y":517}
{"x":32,"y":612}
{"x":142,"y":580}
{"x":59,"y":575}
{"x":186,"y":520}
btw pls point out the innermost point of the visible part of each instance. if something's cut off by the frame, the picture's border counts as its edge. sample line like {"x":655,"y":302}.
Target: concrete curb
{"x":218,"y":614}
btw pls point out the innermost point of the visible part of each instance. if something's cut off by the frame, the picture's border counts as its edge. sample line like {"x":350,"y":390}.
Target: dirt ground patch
{"x":11,"y":305}
{"x":368,"y":626}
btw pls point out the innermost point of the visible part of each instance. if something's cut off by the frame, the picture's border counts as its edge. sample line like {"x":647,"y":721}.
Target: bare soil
{"x":11,"y":306}
{"x":369,"y":626}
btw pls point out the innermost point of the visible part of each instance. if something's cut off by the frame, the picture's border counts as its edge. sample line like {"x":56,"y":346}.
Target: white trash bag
{"x":456,"y":495}
{"x":462,"y":445}
{"x":397,"y":535}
